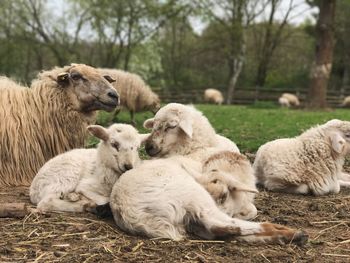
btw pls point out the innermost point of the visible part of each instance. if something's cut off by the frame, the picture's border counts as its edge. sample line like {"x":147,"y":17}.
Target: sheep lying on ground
{"x":213,"y":96}
{"x":49,"y":118}
{"x":161,"y":199}
{"x":310,"y":163}
{"x":135,"y":95}
{"x":82,"y":178}
{"x":346,"y":102}
{"x":289,"y":100}
{"x":230,"y":180}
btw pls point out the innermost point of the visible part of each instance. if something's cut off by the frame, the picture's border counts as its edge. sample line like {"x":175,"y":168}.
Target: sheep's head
{"x":338,"y":133}
{"x":88,"y":90}
{"x":230,"y":181}
{"x":172,"y":128}
{"x":155,"y":105}
{"x":119,"y":145}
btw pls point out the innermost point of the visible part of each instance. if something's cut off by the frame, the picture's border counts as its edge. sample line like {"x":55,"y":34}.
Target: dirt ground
{"x":85,"y":238}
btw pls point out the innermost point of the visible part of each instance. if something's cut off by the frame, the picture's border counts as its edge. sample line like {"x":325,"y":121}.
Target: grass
{"x":251,"y":126}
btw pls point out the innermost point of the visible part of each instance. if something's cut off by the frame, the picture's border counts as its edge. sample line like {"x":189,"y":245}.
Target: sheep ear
{"x":144,"y":137}
{"x":109,"y":78}
{"x":148,"y":124}
{"x":186,"y":126}
{"x":338,"y":142}
{"x":63,"y":78}
{"x":99,"y":132}
{"x":235,"y":185}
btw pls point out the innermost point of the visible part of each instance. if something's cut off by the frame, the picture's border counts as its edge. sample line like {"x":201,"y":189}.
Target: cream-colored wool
{"x":213,"y":96}
{"x":310,"y":163}
{"x":289,"y":100}
{"x":135,"y":95}
{"x":229,"y":178}
{"x":87,"y":174}
{"x":47,"y":119}
{"x":346,"y":102}
{"x":161,"y":199}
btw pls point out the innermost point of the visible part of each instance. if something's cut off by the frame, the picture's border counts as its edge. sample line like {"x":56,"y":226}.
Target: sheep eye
{"x":215,"y":181}
{"x":116,"y":145}
{"x":170,"y":127}
{"x":76,"y":76}
{"x":347,"y":135}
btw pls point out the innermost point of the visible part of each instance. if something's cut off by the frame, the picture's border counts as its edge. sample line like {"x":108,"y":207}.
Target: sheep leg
{"x":132,"y":117}
{"x":344,"y":177}
{"x":344,"y":183}
{"x":95,"y":197}
{"x":54,"y":203}
{"x":220,"y":225}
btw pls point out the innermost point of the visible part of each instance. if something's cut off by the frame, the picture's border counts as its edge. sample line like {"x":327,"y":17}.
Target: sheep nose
{"x":113,"y":94}
{"x":127,"y":167}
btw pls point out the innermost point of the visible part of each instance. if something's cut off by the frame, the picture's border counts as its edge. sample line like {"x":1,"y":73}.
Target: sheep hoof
{"x":89,"y":206}
{"x":73,"y":197}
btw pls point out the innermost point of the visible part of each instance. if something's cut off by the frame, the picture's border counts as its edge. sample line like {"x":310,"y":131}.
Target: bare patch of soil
{"x":60,"y":237}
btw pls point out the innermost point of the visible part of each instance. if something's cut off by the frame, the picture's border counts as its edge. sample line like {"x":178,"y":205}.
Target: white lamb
{"x":160,"y":198}
{"x":83,"y":178}
{"x":230,"y":180}
{"x":310,"y":163}
{"x":214,"y":96}
{"x":289,"y":100}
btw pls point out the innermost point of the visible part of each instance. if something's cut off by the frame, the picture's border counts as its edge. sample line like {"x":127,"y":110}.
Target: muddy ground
{"x":85,"y":238}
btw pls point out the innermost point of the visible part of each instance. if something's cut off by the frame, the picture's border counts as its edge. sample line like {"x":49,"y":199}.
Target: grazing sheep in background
{"x":230,"y":180}
{"x":310,"y":163}
{"x":161,"y":199}
{"x":289,"y":100}
{"x":346,"y":102}
{"x":135,"y":95}
{"x":49,"y":118}
{"x":214,"y":96}
{"x":82,"y":178}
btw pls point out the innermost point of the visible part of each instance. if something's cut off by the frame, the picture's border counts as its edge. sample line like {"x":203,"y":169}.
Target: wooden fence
{"x":246,"y":96}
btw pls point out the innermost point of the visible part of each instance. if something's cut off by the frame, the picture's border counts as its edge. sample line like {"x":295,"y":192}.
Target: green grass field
{"x":250,"y":126}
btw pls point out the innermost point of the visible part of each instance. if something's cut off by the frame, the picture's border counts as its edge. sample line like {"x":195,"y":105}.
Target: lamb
{"x":161,"y":199}
{"x":135,"y":95}
{"x":214,"y":96}
{"x":49,"y":118}
{"x":289,"y":100}
{"x":308,"y":164}
{"x":80,"y":179}
{"x":230,"y":180}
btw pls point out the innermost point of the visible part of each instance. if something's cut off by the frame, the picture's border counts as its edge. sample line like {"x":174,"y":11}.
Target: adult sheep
{"x":49,"y":118}
{"x":289,"y":100}
{"x":213,"y":96}
{"x":160,"y":199}
{"x":310,"y":163}
{"x":346,"y":102}
{"x":134,"y":93}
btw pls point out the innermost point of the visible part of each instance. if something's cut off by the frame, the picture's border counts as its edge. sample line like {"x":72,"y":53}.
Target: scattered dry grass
{"x":85,"y":238}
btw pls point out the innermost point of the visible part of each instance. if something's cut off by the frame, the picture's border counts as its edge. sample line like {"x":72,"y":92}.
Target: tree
{"x":321,"y":68}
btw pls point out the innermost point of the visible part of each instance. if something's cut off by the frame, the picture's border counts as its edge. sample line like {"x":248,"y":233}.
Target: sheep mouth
{"x":107,"y":106}
{"x":153,"y":151}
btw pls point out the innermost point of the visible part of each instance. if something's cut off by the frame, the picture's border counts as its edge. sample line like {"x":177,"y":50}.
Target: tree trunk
{"x":321,"y":68}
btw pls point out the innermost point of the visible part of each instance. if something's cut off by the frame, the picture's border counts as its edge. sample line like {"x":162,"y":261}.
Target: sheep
{"x":308,"y":164}
{"x":160,"y":199}
{"x":214,"y":96}
{"x":83,"y":178}
{"x":289,"y":100}
{"x":135,"y":95}
{"x":49,"y":118}
{"x":230,"y":180}
{"x":346,"y":102}
{"x":183,"y":130}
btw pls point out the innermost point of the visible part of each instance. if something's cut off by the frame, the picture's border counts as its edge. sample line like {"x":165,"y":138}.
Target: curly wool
{"x":37,"y":124}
